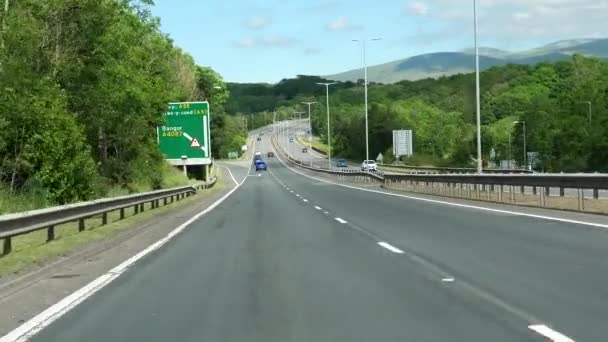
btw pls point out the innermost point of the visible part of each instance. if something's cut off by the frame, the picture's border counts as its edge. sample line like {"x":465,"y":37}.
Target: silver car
{"x":369,"y":165}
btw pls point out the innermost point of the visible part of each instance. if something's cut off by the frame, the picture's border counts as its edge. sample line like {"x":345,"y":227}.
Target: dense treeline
{"x":84,"y":84}
{"x":564,"y":106}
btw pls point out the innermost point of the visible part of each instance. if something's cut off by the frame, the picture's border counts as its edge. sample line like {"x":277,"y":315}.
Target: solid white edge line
{"x":231,"y":175}
{"x":340,"y":220}
{"x":550,"y":333}
{"x":468,"y":206}
{"x":30,"y":328}
{"x":390,"y":247}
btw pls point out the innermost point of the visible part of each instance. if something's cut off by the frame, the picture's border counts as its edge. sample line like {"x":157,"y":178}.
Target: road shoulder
{"x":23,"y":297}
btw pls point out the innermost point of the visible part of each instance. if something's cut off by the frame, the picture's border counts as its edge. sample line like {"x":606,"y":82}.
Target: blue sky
{"x":265,"y":41}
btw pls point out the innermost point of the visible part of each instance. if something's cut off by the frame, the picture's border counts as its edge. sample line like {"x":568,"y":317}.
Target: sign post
{"x":184,"y":139}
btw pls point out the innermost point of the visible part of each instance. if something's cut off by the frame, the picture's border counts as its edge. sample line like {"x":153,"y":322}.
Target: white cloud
{"x":514,"y":20}
{"x":257,"y":22}
{"x":278,"y":41}
{"x":341,"y":23}
{"x":312,"y":51}
{"x":246,"y":43}
{"x":418,"y":8}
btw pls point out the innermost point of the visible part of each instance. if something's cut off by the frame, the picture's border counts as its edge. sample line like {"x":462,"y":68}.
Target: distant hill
{"x":433,"y":65}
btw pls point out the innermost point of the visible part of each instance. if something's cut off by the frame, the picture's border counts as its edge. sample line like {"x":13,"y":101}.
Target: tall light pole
{"x":525,"y":151}
{"x":588,"y":103}
{"x":309,"y":127}
{"x":328,"y":131}
{"x":362,"y":41}
{"x":477,"y":92}
{"x":510,"y":152}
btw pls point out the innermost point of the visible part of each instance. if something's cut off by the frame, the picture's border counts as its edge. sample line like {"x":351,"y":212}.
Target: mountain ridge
{"x":438,"y":64}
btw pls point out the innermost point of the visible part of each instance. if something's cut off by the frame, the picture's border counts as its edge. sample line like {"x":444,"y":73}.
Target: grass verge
{"x":34,"y":196}
{"x":32,"y":249}
{"x":316,"y":143}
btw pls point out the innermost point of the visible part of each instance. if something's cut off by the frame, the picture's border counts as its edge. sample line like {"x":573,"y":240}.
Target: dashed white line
{"x":390,"y":247}
{"x":447,"y":280}
{"x":340,"y":220}
{"x":326,"y":212}
{"x":304,"y":199}
{"x":550,"y":333}
{"x":318,"y":208}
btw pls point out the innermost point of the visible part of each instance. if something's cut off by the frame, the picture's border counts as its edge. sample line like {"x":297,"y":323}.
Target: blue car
{"x":260,"y":165}
{"x":341,"y":163}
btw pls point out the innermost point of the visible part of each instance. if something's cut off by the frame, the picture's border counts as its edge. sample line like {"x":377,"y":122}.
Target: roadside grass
{"x":35,"y":197}
{"x":316,"y":143}
{"x":32,"y":249}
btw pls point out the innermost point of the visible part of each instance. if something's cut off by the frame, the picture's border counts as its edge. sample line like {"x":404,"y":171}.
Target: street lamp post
{"x":309,"y":127}
{"x":525,"y":151}
{"x":477,"y":92}
{"x":362,"y":41}
{"x":588,"y":103}
{"x":510,"y":152}
{"x":328,"y":131}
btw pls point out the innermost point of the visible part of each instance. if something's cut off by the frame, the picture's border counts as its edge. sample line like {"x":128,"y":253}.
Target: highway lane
{"x":298,"y":128}
{"x":267,"y":266}
{"x":548,"y":271}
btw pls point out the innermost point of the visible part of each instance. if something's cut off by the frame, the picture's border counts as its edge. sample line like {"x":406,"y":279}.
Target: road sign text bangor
{"x":185,"y":136}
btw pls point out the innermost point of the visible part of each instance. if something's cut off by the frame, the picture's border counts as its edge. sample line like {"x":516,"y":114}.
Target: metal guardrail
{"x":377,"y":175}
{"x":454,"y":169}
{"x":578,"y":192}
{"x":594,"y":182}
{"x":16,"y":224}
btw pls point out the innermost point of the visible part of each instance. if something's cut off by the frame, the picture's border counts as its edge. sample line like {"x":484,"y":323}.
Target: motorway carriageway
{"x":290,"y":258}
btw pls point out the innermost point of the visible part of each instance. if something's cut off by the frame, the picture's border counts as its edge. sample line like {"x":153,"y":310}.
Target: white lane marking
{"x":297,"y":195}
{"x":468,"y":206}
{"x":291,"y":191}
{"x":340,"y":220}
{"x":304,"y":199}
{"x":550,"y":333}
{"x":30,"y":328}
{"x":326,"y":212}
{"x":232,"y":176}
{"x":390,"y":247}
{"x":447,"y":280}
{"x":318,"y":208}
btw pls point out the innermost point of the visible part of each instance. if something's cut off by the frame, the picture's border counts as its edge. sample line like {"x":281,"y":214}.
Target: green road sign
{"x":185,"y":138}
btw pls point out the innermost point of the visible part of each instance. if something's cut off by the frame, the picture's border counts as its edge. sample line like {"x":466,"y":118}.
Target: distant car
{"x":260,"y":165}
{"x":270,"y":154}
{"x":259,"y":138}
{"x":290,"y":140}
{"x":341,"y":163}
{"x":369,"y":165}
{"x":304,"y":150}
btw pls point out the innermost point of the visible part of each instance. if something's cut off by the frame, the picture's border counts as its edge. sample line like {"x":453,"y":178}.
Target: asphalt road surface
{"x":289,"y":258}
{"x":299,"y":128}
